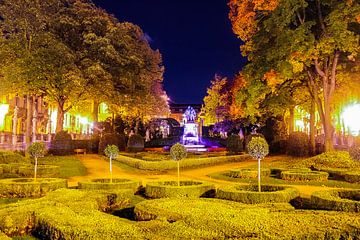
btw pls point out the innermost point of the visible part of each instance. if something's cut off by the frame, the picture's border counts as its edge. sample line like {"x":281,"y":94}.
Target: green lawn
{"x":70,"y":166}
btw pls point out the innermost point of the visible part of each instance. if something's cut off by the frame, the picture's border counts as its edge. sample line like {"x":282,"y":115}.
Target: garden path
{"x":98,"y":167}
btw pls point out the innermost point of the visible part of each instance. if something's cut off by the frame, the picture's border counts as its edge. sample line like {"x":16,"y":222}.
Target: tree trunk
{"x":35,"y":169}
{"x":96,"y":111}
{"x":178,"y":172}
{"x":259,"y":178}
{"x":28,"y":120}
{"x":291,"y":120}
{"x":328,"y":128}
{"x":60,"y":117}
{"x":111,"y":170}
{"x":137,"y":126}
{"x":312,"y":128}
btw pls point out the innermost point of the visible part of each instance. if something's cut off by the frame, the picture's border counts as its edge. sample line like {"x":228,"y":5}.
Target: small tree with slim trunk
{"x":36,"y":150}
{"x":258,"y":148}
{"x":111,"y":151}
{"x":177,"y":153}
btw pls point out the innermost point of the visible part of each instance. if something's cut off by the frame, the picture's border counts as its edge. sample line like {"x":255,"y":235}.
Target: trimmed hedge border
{"x":295,"y":175}
{"x":278,"y":170}
{"x":13,"y":167}
{"x":27,"y":187}
{"x":352,"y":176}
{"x":104,"y":184}
{"x":249,"y":194}
{"x":188,"y":188}
{"x":337,"y":200}
{"x":248,"y":173}
{"x":335,"y":173}
{"x":46,"y":171}
{"x":185,"y":163}
{"x":11,"y":157}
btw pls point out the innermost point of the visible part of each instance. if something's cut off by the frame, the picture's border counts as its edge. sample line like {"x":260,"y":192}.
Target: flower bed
{"x":188,"y":188}
{"x":295,"y":175}
{"x":46,"y":171}
{"x":27,"y":187}
{"x":105,"y":184}
{"x":185,"y":163}
{"x":337,"y":200}
{"x":250,"y":194}
{"x":248,"y":173}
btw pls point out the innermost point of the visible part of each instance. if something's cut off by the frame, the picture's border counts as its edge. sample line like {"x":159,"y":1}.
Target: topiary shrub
{"x":304,"y":176}
{"x":352,"y":176}
{"x":249,"y":193}
{"x":112,"y":139}
{"x":11,"y":157}
{"x":62,"y":145}
{"x":178,"y":152}
{"x":337,"y":200}
{"x":135,"y":143}
{"x":36,"y":150}
{"x":105,"y":184}
{"x":258,"y":148}
{"x":354,"y":152}
{"x":333,"y":159}
{"x":248,"y":173}
{"x":111,"y":151}
{"x":249,"y":137}
{"x":298,"y":144}
{"x":187,"y":188}
{"x":25,"y":187}
{"x":234,"y":144}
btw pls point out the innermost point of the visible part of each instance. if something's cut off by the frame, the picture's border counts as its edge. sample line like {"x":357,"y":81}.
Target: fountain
{"x":191,"y":138}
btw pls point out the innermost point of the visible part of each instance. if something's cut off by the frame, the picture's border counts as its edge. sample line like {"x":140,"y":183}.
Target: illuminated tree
{"x":36,"y":150}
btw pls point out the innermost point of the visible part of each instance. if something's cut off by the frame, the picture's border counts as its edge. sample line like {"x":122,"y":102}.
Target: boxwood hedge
{"x":249,"y":193}
{"x":294,"y":175}
{"x":185,"y":163}
{"x":187,"y":188}
{"x":337,"y":200}
{"x":104,"y":184}
{"x":46,"y":171}
{"x":27,"y":187}
{"x":11,"y":157}
{"x":248,"y":173}
{"x":352,"y":176}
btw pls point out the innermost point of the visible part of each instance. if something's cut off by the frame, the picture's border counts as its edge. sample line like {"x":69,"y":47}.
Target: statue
{"x":190,"y":114}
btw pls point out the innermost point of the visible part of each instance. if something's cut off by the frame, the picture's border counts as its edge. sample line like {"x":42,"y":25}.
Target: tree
{"x":111,"y":151}
{"x":298,"y":39}
{"x":178,"y":152}
{"x":216,"y":100}
{"x":36,"y":150}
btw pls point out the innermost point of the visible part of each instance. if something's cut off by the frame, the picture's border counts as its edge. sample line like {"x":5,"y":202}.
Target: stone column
{"x":14,"y":128}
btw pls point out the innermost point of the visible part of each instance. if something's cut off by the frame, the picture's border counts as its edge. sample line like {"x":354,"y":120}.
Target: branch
{"x":318,"y":69}
{"x":320,"y":16}
{"x":333,"y":71}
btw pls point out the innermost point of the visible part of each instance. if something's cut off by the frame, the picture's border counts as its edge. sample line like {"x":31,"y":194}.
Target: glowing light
{"x":4,"y":109}
{"x":351,"y":118}
{"x":83,"y":120}
{"x":299,"y":125}
{"x":53,"y":117}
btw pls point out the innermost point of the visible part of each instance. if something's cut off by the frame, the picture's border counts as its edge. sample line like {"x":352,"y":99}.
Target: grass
{"x":70,"y":166}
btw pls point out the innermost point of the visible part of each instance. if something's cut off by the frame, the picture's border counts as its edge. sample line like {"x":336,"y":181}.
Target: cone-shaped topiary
{"x":36,"y":150}
{"x":178,"y":152}
{"x":111,"y":151}
{"x":234,"y":144}
{"x":258,"y":148}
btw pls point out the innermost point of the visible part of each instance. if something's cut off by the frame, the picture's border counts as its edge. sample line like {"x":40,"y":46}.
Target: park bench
{"x":80,"y":150}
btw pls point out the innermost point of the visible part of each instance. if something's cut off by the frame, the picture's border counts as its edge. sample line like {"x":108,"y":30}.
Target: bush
{"x":249,"y":137}
{"x":337,"y":200}
{"x":165,"y":189}
{"x":178,"y":152}
{"x":335,"y":173}
{"x":135,"y":143}
{"x":45,"y":171}
{"x":257,"y":148}
{"x":298,"y":144}
{"x":162,"y":142}
{"x":334,"y":159}
{"x":185,"y":163}
{"x":354,"y":152}
{"x":112,"y":139}
{"x":352,"y":176}
{"x":234,"y":144}
{"x":104,"y":184}
{"x":304,"y":176}
{"x":91,"y":145}
{"x":62,"y":144}
{"x":11,"y":157}
{"x":13,"y":168}
{"x":26,"y":187}
{"x":249,"y":194}
{"x":248,"y":173}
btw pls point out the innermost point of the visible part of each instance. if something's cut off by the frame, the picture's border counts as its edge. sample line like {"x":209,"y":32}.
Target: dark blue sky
{"x":193,"y":36}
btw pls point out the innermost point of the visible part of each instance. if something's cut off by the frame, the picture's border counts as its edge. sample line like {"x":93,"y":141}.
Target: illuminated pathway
{"x":98,"y":167}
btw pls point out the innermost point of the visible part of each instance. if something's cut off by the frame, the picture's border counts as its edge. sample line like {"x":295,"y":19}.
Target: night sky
{"x":193,"y":36}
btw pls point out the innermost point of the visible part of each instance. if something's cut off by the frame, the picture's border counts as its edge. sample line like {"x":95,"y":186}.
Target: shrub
{"x":178,"y":152}
{"x":36,"y":150}
{"x":45,"y":171}
{"x":333,"y":159}
{"x":234,"y":144}
{"x":354,"y":152}
{"x":257,"y":148}
{"x":105,"y":184}
{"x":11,"y":157}
{"x":352,"y":176}
{"x":248,"y":173}
{"x":112,"y":139}
{"x":249,"y":194}
{"x":337,"y":200}
{"x":62,"y":144}
{"x":249,"y":137}
{"x":298,"y":144}
{"x":190,"y":188}
{"x":135,"y":143}
{"x":25,"y":187}
{"x":304,"y":176}
{"x":335,"y":173}
{"x":13,"y":168}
